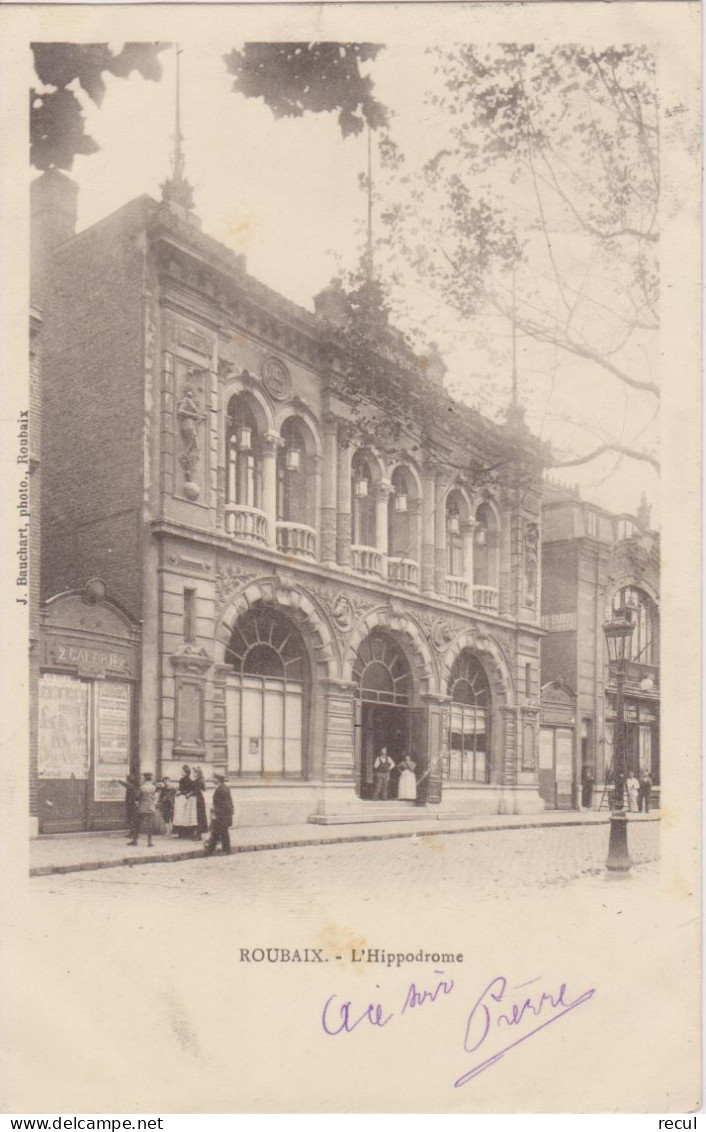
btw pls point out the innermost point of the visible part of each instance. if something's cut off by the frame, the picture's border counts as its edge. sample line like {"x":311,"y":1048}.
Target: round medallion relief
{"x":276,"y":379}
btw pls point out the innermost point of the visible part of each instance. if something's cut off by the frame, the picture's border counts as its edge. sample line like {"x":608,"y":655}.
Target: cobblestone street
{"x":496,"y":866}
{"x":153,"y":962}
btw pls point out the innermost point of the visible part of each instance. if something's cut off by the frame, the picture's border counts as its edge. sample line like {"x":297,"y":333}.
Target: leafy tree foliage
{"x":542,"y":204}
{"x":57,"y":125}
{"x":294,"y":78}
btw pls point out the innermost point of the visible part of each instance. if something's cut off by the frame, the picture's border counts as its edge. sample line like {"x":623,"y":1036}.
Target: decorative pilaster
{"x":343,"y":497}
{"x":329,"y":491}
{"x":507,"y":764}
{"x":339,"y":754}
{"x":427,"y":555}
{"x":506,"y":564}
{"x":415,"y":529}
{"x":271,"y":441}
{"x":440,"y":570}
{"x":468,"y":527}
{"x":383,"y":490}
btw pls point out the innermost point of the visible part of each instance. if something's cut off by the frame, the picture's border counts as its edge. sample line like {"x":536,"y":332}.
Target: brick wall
{"x":93,"y":410}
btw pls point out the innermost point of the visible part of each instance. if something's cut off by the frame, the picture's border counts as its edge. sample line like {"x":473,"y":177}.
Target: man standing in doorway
{"x":382,"y":768}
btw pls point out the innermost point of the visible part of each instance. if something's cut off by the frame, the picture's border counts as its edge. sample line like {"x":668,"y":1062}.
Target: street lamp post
{"x":618,"y":633}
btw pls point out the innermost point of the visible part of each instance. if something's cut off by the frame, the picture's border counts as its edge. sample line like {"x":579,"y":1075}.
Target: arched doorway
{"x":386,"y":716}
{"x":267,"y":696}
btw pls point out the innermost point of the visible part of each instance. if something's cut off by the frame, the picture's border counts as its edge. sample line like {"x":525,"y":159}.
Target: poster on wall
{"x":63,"y":727}
{"x":113,"y":747}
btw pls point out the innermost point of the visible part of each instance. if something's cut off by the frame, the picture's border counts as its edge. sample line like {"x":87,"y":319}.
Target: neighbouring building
{"x":595,"y":562}
{"x":234,"y":577}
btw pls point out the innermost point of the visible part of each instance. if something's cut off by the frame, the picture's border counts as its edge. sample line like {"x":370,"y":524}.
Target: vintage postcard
{"x":351,"y":669}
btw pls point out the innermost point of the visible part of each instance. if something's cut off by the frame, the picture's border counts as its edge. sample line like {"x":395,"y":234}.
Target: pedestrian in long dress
{"x":407,"y":788}
{"x":146,"y":804}
{"x":185,"y":818}
{"x":200,"y":790}
{"x":633,"y":787}
{"x":222,"y":817}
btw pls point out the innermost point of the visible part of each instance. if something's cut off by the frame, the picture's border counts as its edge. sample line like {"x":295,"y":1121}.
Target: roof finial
{"x":369,"y":257}
{"x":176,"y":188}
{"x":515,"y":411}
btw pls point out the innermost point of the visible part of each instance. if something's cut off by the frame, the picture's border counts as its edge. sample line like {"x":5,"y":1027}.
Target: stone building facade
{"x":594,"y":562}
{"x":283,"y":596}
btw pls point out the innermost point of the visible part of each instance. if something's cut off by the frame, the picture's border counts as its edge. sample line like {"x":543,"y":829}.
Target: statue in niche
{"x":531,"y":562}
{"x":189,"y":417}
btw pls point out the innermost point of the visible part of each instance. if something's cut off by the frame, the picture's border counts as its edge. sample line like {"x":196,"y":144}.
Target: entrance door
{"x":556,"y":773}
{"x":383,"y":725}
{"x":64,"y":753}
{"x":85,"y":730}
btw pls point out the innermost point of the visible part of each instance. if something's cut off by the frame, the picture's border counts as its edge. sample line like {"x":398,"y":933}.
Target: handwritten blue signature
{"x":497,"y":1007}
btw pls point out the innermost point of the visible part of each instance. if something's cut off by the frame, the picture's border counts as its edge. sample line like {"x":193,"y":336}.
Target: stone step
{"x":375,"y":812}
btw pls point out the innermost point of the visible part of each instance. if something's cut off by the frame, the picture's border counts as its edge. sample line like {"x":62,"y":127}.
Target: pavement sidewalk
{"x":80,"y":852}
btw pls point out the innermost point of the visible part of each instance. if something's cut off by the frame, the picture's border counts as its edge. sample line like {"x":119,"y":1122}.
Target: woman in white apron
{"x":185,"y":812}
{"x":407,"y":789}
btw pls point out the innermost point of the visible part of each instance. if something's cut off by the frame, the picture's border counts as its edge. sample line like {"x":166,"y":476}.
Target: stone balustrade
{"x":248,"y":524}
{"x":297,"y":539}
{"x":485,"y":598}
{"x":403,"y":572}
{"x":366,"y":560}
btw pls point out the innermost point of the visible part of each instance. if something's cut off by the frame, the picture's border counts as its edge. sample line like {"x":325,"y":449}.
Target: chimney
{"x":434,"y":365}
{"x":52,"y":222}
{"x":331,"y":304}
{"x":643,"y":514}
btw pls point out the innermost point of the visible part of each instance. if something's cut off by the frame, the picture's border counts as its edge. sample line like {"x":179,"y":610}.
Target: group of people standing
{"x":407,"y":782}
{"x":638,"y":791}
{"x":180,"y":809}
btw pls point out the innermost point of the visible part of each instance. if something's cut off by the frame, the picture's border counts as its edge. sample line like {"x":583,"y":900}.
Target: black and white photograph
{"x":351,"y":681}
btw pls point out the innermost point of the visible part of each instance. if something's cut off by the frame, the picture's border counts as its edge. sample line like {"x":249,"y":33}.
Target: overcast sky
{"x":286,"y":193}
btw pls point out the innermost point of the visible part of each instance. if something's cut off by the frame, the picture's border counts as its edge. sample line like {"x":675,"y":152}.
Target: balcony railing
{"x":366,"y":560}
{"x":456,"y":588}
{"x":485,"y":598}
{"x":403,"y":572}
{"x":296,"y":538}
{"x":246,"y":523}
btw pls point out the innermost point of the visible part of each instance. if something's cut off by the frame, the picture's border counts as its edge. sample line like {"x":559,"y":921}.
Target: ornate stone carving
{"x":531,"y":541}
{"x":228,"y":579}
{"x":190,"y":418}
{"x":343,"y":609}
{"x":189,"y":658}
{"x":276,"y":379}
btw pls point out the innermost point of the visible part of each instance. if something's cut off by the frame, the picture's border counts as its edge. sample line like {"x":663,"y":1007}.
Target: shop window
{"x":267,"y":694}
{"x":468,"y":745}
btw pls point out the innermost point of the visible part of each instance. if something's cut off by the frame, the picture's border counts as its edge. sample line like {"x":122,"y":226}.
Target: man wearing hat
{"x":222,"y":806}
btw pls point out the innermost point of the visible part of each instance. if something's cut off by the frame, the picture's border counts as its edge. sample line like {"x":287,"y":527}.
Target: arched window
{"x":363,"y":528}
{"x":295,"y":485}
{"x":401,"y":529}
{"x":381,"y":671}
{"x":456,"y":514}
{"x":644,"y":645}
{"x":243,"y":454}
{"x":266,"y":695}
{"x":468,"y":757}
{"x":485,"y":547}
